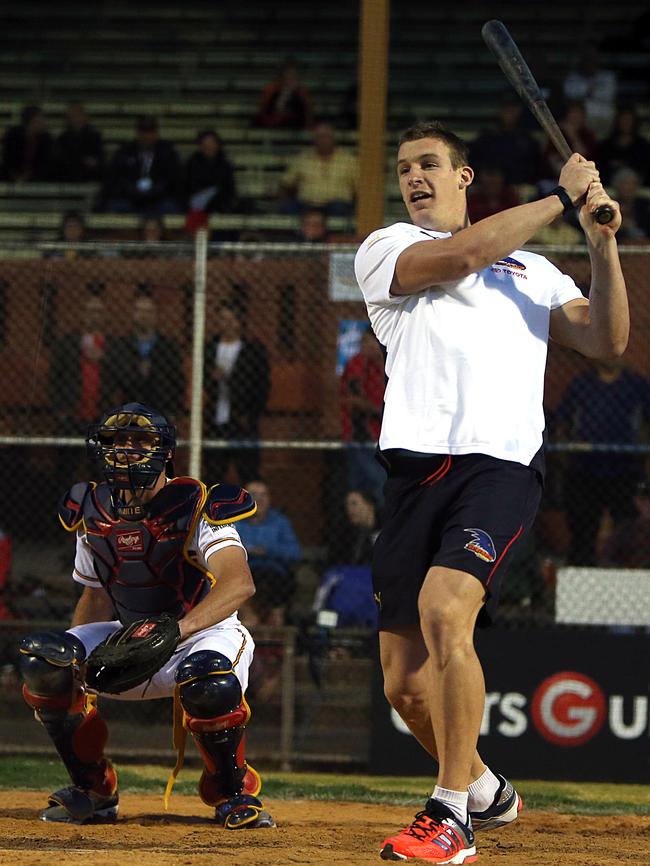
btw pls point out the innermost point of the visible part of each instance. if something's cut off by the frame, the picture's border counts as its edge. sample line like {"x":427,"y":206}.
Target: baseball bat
{"x":500,"y":42}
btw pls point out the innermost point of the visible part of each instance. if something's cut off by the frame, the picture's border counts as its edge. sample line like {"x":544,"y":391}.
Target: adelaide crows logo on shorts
{"x":509,"y":262}
{"x":481,"y":545}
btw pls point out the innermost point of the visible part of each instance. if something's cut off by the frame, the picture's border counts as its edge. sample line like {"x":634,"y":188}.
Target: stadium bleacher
{"x":201,"y":65}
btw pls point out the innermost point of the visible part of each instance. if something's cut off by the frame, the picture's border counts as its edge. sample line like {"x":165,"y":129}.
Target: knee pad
{"x":209,"y":687}
{"x":46,"y":666}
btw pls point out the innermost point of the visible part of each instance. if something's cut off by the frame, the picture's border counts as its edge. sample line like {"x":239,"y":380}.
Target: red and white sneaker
{"x":435,"y":835}
{"x":505,"y":808}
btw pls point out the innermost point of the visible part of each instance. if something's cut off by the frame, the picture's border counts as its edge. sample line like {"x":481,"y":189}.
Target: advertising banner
{"x":560,"y":704}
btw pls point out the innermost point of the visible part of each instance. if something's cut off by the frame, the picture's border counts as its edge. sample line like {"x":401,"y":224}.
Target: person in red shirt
{"x":285,"y":103}
{"x":362,"y":399}
{"x":74,"y":382}
{"x":74,"y":379}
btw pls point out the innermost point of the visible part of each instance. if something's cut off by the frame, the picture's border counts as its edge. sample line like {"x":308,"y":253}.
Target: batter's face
{"x":433,"y":191}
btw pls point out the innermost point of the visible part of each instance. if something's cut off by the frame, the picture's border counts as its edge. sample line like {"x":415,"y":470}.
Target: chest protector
{"x":144,"y":565}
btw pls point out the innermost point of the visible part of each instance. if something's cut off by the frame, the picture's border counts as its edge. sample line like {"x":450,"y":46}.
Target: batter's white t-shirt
{"x":207,"y":539}
{"x":465,"y":361}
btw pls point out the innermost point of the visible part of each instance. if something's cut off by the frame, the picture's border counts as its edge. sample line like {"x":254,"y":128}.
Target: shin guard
{"x":79,"y":733}
{"x":216,"y":714}
{"x":222,"y":744}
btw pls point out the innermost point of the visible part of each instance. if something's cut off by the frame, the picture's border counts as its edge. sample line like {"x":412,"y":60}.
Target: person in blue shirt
{"x":273,"y":551}
{"x":607,"y":405}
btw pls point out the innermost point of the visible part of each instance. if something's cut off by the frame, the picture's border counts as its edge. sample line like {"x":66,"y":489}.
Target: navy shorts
{"x":466,"y":512}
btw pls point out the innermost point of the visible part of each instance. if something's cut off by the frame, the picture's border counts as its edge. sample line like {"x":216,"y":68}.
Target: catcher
{"x":163,"y":571}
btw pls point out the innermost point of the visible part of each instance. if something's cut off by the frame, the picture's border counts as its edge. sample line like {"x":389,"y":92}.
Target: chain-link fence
{"x":260,"y":355}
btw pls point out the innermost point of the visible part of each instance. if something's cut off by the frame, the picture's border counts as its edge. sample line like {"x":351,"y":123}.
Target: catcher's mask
{"x":133,"y":444}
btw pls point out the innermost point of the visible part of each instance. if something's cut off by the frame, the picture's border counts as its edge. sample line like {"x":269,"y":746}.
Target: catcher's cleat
{"x":243,"y":811}
{"x":504,"y":810}
{"x":435,"y":835}
{"x":73,"y":805}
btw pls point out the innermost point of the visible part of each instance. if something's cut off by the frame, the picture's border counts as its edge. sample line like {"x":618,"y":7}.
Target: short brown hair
{"x":458,"y":150}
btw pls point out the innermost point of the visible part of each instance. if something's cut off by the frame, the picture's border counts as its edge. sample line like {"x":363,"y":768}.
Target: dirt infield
{"x":308,"y":833}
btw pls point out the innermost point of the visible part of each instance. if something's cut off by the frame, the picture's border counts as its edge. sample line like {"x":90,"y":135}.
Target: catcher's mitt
{"x":133,"y":654}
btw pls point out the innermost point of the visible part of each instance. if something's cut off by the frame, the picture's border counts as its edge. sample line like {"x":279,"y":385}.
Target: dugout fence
{"x":87,"y":326}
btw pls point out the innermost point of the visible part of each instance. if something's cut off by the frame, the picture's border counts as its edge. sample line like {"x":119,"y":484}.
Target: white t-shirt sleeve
{"x":84,"y":569}
{"x":374,"y":263}
{"x":563,"y":289}
{"x":208,"y":539}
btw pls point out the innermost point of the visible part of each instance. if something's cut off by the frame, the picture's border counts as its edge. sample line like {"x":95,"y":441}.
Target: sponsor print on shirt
{"x":481,"y":545}
{"x":508,"y":265}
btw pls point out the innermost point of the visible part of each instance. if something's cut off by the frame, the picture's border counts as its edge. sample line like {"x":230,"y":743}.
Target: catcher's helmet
{"x":133,"y":444}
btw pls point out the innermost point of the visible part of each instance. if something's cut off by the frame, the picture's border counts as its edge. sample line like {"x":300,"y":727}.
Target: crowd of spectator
{"x":146,"y":176}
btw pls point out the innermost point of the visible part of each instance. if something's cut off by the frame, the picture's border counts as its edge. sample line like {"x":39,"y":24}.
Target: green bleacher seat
{"x":200,"y":65}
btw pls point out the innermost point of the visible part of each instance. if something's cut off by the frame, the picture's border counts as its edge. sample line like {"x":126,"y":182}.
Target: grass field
{"x":565,"y":797}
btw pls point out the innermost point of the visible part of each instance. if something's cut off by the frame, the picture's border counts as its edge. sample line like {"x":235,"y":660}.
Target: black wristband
{"x":564,"y":197}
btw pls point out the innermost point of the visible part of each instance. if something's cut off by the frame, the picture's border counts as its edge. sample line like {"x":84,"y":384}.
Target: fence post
{"x":198,"y":348}
{"x":288,"y":704}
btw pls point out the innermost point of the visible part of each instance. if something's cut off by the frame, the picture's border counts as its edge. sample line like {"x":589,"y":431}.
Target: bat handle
{"x":604,"y":214}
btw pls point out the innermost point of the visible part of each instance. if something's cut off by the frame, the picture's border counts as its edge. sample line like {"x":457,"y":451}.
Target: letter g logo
{"x":568,"y":708}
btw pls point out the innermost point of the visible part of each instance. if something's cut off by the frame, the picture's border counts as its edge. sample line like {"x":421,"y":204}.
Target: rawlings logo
{"x":144,"y":629}
{"x":130,"y":542}
{"x":481,"y":545}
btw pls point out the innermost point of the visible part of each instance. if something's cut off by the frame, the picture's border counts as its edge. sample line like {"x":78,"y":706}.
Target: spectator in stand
{"x":608,"y":405}
{"x":209,"y":180}
{"x":152,"y":233}
{"x":143,"y":176}
{"x":491,"y":194}
{"x":354,"y":542}
{"x":345,"y":590}
{"x":27,"y":149}
{"x":273,"y":552}
{"x":152,"y":230}
{"x":285,"y":102}
{"x":237,"y":385}
{"x":74,"y":379}
{"x":625,"y":147}
{"x":628,"y":545}
{"x":635,"y":210}
{"x":75,"y":370}
{"x":144,"y":365}
{"x":509,"y":147}
{"x":581,"y":139}
{"x":362,"y":400}
{"x":79,"y":150}
{"x":595,"y":87}
{"x":323,"y":176}
{"x":72,"y":230}
{"x":312,"y":227}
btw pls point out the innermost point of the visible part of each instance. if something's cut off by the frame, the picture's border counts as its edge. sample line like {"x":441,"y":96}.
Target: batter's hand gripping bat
{"x":500,"y":42}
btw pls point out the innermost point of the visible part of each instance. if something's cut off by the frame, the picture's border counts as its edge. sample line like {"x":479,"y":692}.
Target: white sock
{"x":456,"y":801}
{"x":482,"y":791}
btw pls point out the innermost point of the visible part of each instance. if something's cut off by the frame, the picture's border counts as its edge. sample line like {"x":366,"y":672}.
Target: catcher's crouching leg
{"x":216,"y":714}
{"x":49,"y":663}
